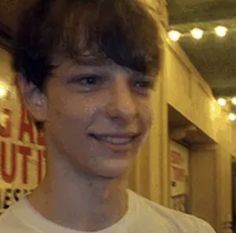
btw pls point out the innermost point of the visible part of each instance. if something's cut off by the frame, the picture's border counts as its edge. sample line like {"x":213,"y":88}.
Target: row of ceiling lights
{"x":223,"y":102}
{"x":197,"y":33}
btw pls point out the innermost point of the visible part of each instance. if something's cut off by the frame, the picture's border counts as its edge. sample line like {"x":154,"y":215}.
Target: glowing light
{"x":233,"y":100}
{"x":232,"y":117}
{"x":222,"y":102}
{"x":174,"y":35}
{"x":3,"y":90}
{"x":197,"y":33}
{"x":221,"y":31}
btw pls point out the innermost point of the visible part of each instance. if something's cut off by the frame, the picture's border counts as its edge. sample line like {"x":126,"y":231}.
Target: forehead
{"x":67,"y":67}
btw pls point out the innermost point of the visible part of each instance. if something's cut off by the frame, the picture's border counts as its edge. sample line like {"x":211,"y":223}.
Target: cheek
{"x":67,"y":126}
{"x":146,"y":115}
{"x":71,"y":106}
{"x":72,"y":120}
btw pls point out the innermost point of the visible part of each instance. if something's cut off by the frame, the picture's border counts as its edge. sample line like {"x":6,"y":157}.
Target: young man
{"x":85,"y":71}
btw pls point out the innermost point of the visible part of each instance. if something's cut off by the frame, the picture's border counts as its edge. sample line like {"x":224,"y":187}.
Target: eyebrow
{"x":102,"y":66}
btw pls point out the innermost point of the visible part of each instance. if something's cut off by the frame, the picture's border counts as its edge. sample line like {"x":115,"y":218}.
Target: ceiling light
{"x":233,"y":100}
{"x":221,"y":31}
{"x":222,"y":102}
{"x":232,"y":117}
{"x":197,"y":33}
{"x":174,"y":35}
{"x":3,"y":90}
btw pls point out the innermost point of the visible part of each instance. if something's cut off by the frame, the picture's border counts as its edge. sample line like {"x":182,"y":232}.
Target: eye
{"x":87,"y":82}
{"x":143,"y":86}
{"x":91,"y":80}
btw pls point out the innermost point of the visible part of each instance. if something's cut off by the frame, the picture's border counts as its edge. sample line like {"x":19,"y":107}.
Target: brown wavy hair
{"x":88,"y":31}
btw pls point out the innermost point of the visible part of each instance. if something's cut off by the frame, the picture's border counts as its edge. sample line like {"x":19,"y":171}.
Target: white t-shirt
{"x":143,"y":216}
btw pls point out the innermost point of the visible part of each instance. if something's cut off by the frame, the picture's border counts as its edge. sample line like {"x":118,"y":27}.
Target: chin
{"x":115,"y":174}
{"x":113,"y":169}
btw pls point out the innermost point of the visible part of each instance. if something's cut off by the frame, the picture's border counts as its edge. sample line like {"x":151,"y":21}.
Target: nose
{"x":122,"y":104}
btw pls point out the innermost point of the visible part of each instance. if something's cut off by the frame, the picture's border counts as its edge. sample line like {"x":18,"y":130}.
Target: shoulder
{"x":9,"y":221}
{"x":177,"y":221}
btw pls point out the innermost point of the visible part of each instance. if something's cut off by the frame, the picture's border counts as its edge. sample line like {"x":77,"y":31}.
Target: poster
{"x":22,"y":157}
{"x":179,"y":173}
{"x":22,"y":150}
{"x":179,"y":169}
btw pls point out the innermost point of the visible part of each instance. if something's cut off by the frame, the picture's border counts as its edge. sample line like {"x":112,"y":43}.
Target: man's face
{"x":97,"y":116}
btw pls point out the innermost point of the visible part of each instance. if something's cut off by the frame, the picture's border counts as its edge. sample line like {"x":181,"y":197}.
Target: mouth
{"x":118,"y":142}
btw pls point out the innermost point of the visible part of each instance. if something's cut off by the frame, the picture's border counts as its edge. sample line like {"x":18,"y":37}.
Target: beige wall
{"x":189,"y":94}
{"x":193,"y":95}
{"x":203,"y":183}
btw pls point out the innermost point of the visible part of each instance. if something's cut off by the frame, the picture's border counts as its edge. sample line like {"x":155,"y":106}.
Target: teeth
{"x":115,"y":140}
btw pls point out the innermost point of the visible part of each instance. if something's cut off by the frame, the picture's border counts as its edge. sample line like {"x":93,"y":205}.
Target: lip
{"x":116,"y":135}
{"x":117,"y":148}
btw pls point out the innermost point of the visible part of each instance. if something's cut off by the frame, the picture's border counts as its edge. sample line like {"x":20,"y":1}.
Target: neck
{"x":81,"y":202}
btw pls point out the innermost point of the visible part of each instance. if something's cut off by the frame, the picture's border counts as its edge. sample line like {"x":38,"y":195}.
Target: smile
{"x":116,"y":142}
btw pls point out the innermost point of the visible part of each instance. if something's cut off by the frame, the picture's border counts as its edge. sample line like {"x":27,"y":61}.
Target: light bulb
{"x":174,"y":35}
{"x":232,"y":117}
{"x":221,"y":31}
{"x":222,"y":101}
{"x":197,"y":33}
{"x":3,"y":90}
{"x":233,"y":100}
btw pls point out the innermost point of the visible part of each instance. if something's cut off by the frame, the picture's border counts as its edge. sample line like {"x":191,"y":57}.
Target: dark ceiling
{"x":214,"y":57}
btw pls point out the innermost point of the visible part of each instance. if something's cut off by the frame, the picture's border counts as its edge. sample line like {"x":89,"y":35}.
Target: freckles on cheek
{"x":58,"y":112}
{"x":74,"y":113}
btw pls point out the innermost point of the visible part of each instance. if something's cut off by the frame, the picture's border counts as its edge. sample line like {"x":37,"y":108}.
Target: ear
{"x":34,"y":100}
